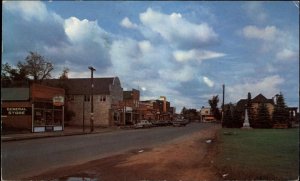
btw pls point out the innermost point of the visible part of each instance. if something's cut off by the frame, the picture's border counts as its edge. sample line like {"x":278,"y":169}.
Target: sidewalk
{"x":68,"y":131}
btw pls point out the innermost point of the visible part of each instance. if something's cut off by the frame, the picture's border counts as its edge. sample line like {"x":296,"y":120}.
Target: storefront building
{"x":34,"y":107}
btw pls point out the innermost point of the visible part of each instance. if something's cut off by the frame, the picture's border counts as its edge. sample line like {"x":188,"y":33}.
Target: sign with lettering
{"x":16,"y":111}
{"x":58,"y":100}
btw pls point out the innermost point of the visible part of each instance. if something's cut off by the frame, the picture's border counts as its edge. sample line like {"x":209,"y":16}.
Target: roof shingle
{"x":80,"y":86}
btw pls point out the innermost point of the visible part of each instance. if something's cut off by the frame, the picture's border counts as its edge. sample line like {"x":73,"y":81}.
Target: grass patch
{"x":258,"y":154}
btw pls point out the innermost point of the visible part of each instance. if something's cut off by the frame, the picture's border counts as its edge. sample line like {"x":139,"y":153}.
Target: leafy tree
{"x":263,"y":119}
{"x":227,"y":118}
{"x":9,"y":73}
{"x":214,"y":107}
{"x":183,"y":111}
{"x":237,"y":121}
{"x":191,"y":114}
{"x":37,"y":67}
{"x":280,"y":114}
{"x":62,"y":83}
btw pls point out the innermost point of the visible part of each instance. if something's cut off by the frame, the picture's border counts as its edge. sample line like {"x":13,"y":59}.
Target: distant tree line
{"x":190,"y":114}
{"x":234,"y":117}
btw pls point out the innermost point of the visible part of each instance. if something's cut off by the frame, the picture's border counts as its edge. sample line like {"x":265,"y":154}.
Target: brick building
{"x":107,"y":95}
{"x":30,"y":107}
{"x":154,"y":110}
{"x":130,"y":106}
{"x":147,"y":110}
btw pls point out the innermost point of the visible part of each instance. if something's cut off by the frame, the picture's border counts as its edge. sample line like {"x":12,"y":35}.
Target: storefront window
{"x":57,"y":117}
{"x":39,"y":119}
{"x":48,"y":116}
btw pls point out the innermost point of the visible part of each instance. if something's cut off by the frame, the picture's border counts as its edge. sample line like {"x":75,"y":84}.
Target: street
{"x":21,"y":159}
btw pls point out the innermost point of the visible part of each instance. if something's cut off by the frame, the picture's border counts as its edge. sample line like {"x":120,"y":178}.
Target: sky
{"x":185,"y":51}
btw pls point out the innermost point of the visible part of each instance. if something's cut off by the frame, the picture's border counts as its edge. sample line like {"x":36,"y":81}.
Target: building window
{"x":70,"y":97}
{"x":102,"y":98}
{"x":87,"y":98}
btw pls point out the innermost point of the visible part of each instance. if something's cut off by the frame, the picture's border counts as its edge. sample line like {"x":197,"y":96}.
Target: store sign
{"x":58,"y":100}
{"x":16,"y":111}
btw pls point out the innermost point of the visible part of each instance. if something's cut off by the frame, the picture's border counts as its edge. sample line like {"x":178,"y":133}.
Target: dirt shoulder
{"x":187,"y":158}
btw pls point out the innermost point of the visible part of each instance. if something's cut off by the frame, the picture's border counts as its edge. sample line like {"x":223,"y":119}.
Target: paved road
{"x":21,"y":159}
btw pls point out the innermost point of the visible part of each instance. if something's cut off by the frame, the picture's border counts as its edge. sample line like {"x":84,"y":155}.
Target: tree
{"x":214,"y":107}
{"x":190,"y":114}
{"x":13,"y":74}
{"x":237,"y":121}
{"x":280,"y":114}
{"x":250,"y":110}
{"x":64,"y":74}
{"x":263,"y":117}
{"x":227,"y":119}
{"x":183,"y":111}
{"x":62,"y":83}
{"x":232,"y":117}
{"x":37,"y":67}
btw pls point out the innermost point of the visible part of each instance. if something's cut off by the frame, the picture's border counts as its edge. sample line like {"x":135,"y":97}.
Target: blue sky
{"x":182,"y":50}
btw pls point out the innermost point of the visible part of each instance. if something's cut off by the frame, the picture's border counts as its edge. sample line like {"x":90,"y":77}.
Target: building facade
{"x":107,"y":94}
{"x":130,"y":106}
{"x":256,"y":101}
{"x":206,"y":114}
{"x":33,"y":107}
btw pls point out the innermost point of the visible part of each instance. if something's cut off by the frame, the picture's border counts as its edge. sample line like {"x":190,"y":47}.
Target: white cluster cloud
{"x":128,"y":24}
{"x":29,"y":10}
{"x":255,"y":11}
{"x":83,"y":30}
{"x":183,"y":74}
{"x":175,"y":29}
{"x":208,"y":82}
{"x":268,"y":86}
{"x":199,"y":55}
{"x":287,"y":54}
{"x":268,"y":33}
{"x":273,"y":41}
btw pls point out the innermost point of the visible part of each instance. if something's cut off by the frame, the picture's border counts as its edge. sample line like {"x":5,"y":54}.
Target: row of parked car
{"x":155,"y":123}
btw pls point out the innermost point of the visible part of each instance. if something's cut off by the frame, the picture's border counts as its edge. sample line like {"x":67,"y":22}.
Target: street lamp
{"x":92,"y":99}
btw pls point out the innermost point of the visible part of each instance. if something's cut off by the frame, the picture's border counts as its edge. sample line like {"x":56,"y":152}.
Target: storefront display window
{"x":39,"y":119}
{"x":48,"y":116}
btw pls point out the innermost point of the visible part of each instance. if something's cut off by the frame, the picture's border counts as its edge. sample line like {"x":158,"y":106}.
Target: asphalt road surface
{"x":21,"y":159}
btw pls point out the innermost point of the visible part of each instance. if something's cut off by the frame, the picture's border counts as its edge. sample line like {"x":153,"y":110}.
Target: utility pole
{"x":223,"y":86}
{"x":92,"y":98}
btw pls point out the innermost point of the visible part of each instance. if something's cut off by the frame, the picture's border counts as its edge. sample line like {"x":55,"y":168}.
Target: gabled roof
{"x":242,"y":103}
{"x":80,"y":86}
{"x":258,"y":99}
{"x":262,"y":99}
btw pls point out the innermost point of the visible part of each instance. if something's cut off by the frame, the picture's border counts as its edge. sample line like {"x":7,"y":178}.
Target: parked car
{"x":143,"y":124}
{"x":180,"y":122}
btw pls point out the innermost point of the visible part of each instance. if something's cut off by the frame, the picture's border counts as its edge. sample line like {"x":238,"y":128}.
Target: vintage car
{"x":143,"y":124}
{"x":180,"y":122}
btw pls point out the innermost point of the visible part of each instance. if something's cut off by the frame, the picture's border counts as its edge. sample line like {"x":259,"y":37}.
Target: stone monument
{"x":246,"y":124}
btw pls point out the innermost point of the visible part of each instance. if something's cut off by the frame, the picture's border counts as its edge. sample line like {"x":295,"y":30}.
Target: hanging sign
{"x":58,"y":100}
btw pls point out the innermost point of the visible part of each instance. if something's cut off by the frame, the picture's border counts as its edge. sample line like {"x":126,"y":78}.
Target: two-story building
{"x":107,"y":94}
{"x":130,"y":106}
{"x":206,"y":114}
{"x":256,"y":101}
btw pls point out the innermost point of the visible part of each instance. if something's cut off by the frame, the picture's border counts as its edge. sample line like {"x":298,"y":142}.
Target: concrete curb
{"x":49,"y":136}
